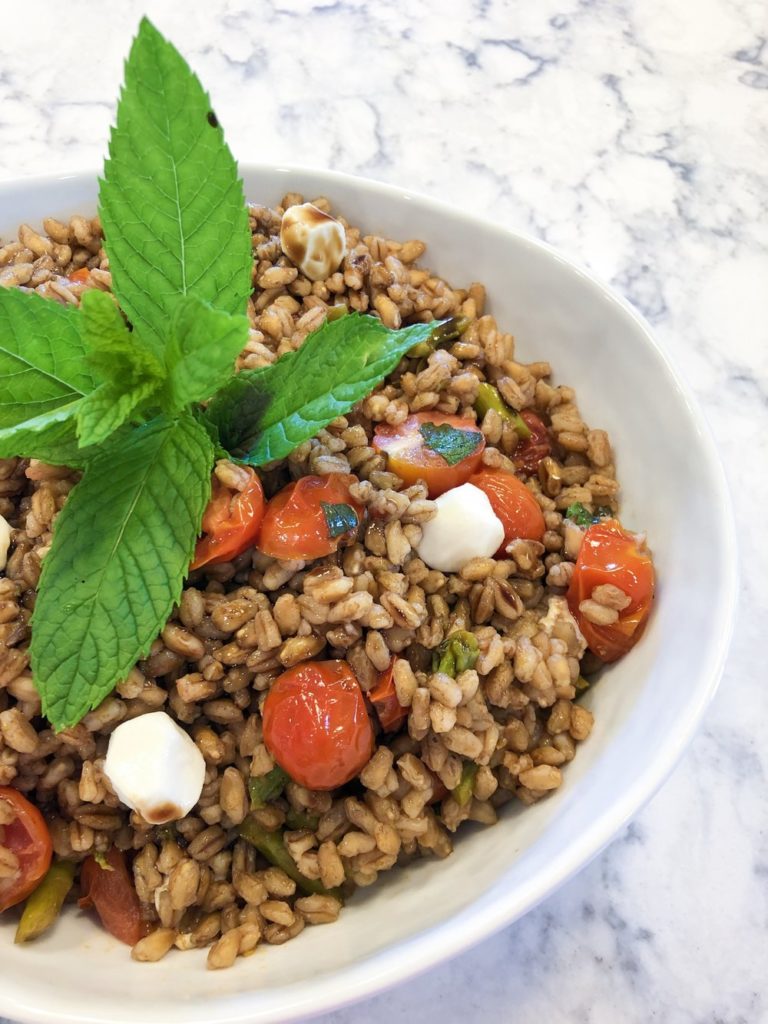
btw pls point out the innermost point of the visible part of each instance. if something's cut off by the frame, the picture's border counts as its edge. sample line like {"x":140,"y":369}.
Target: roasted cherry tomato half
{"x":389,"y":711}
{"x":411,"y":459}
{"x":609,"y":554}
{"x":538,"y":446}
{"x":231,"y":521}
{"x":28,"y":839}
{"x":108,"y":888}
{"x":310,"y":517}
{"x":513,"y":503}
{"x":316,"y":724}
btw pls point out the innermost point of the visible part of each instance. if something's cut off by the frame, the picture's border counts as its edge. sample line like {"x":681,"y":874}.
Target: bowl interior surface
{"x":646,"y":706}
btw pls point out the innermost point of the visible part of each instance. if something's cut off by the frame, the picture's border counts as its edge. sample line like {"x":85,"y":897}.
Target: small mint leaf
{"x":201,"y":350}
{"x":128,"y":369}
{"x":339,"y":519}
{"x":453,"y":443}
{"x":107,"y":408}
{"x":115,"y":354}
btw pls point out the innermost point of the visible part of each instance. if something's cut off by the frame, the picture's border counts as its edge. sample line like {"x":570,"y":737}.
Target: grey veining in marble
{"x":633,"y":135}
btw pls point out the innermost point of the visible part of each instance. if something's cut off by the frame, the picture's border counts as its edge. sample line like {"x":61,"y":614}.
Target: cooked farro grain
{"x":513,"y":715}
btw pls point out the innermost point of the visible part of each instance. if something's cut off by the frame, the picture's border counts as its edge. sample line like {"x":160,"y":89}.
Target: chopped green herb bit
{"x":582,"y":685}
{"x":453,"y":443}
{"x":101,"y":860}
{"x":339,"y":519}
{"x":579,"y":514}
{"x":457,"y":653}
{"x":267,"y":787}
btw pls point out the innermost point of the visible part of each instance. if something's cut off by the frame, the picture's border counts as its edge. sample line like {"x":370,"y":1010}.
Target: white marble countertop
{"x":634,"y":135}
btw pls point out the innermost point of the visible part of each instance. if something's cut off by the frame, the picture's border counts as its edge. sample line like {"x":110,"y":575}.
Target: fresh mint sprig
{"x":138,"y":389}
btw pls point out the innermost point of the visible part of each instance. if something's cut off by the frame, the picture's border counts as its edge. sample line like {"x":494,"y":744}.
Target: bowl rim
{"x":430,"y":946}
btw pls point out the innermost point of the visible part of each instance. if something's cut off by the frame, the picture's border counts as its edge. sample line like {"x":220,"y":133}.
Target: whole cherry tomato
{"x":410,"y":457}
{"x":310,"y":517}
{"x":538,"y":446}
{"x":231,"y":521}
{"x":109,"y":889}
{"x":28,"y":838}
{"x":609,"y":554}
{"x":383,"y":696}
{"x":316,"y":724}
{"x":513,"y":503}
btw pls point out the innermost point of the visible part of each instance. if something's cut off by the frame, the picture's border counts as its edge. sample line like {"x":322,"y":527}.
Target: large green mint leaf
{"x":264,"y":414}
{"x":201,"y":350}
{"x":131,"y":373}
{"x":171,"y":202}
{"x":43,"y":375}
{"x":121,"y":548}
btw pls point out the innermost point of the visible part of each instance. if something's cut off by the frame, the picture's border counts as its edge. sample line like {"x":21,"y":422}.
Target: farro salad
{"x":301,"y":568}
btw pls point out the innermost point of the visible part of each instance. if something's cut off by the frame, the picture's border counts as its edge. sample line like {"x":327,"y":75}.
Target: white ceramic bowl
{"x":646,"y":707}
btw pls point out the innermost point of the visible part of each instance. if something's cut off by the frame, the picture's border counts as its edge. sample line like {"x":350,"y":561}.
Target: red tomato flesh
{"x":383,"y":696}
{"x":538,"y":446}
{"x":609,"y":554}
{"x":110,"y":891}
{"x":27,"y":837}
{"x":316,"y":724}
{"x":513,"y":503}
{"x":294,"y":524}
{"x":231,"y":521}
{"x":409,"y":457}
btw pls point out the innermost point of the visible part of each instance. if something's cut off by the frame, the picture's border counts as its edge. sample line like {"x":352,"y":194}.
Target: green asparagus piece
{"x":488,"y":397}
{"x":44,"y":905}
{"x":267,"y":787}
{"x":271,"y":845}
{"x":462,"y":794}
{"x":301,"y":819}
{"x":458,"y":652}
{"x":445,"y":332}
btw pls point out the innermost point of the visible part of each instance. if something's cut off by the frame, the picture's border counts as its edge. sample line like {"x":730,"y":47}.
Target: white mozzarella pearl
{"x":465,"y":527}
{"x":155,"y":768}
